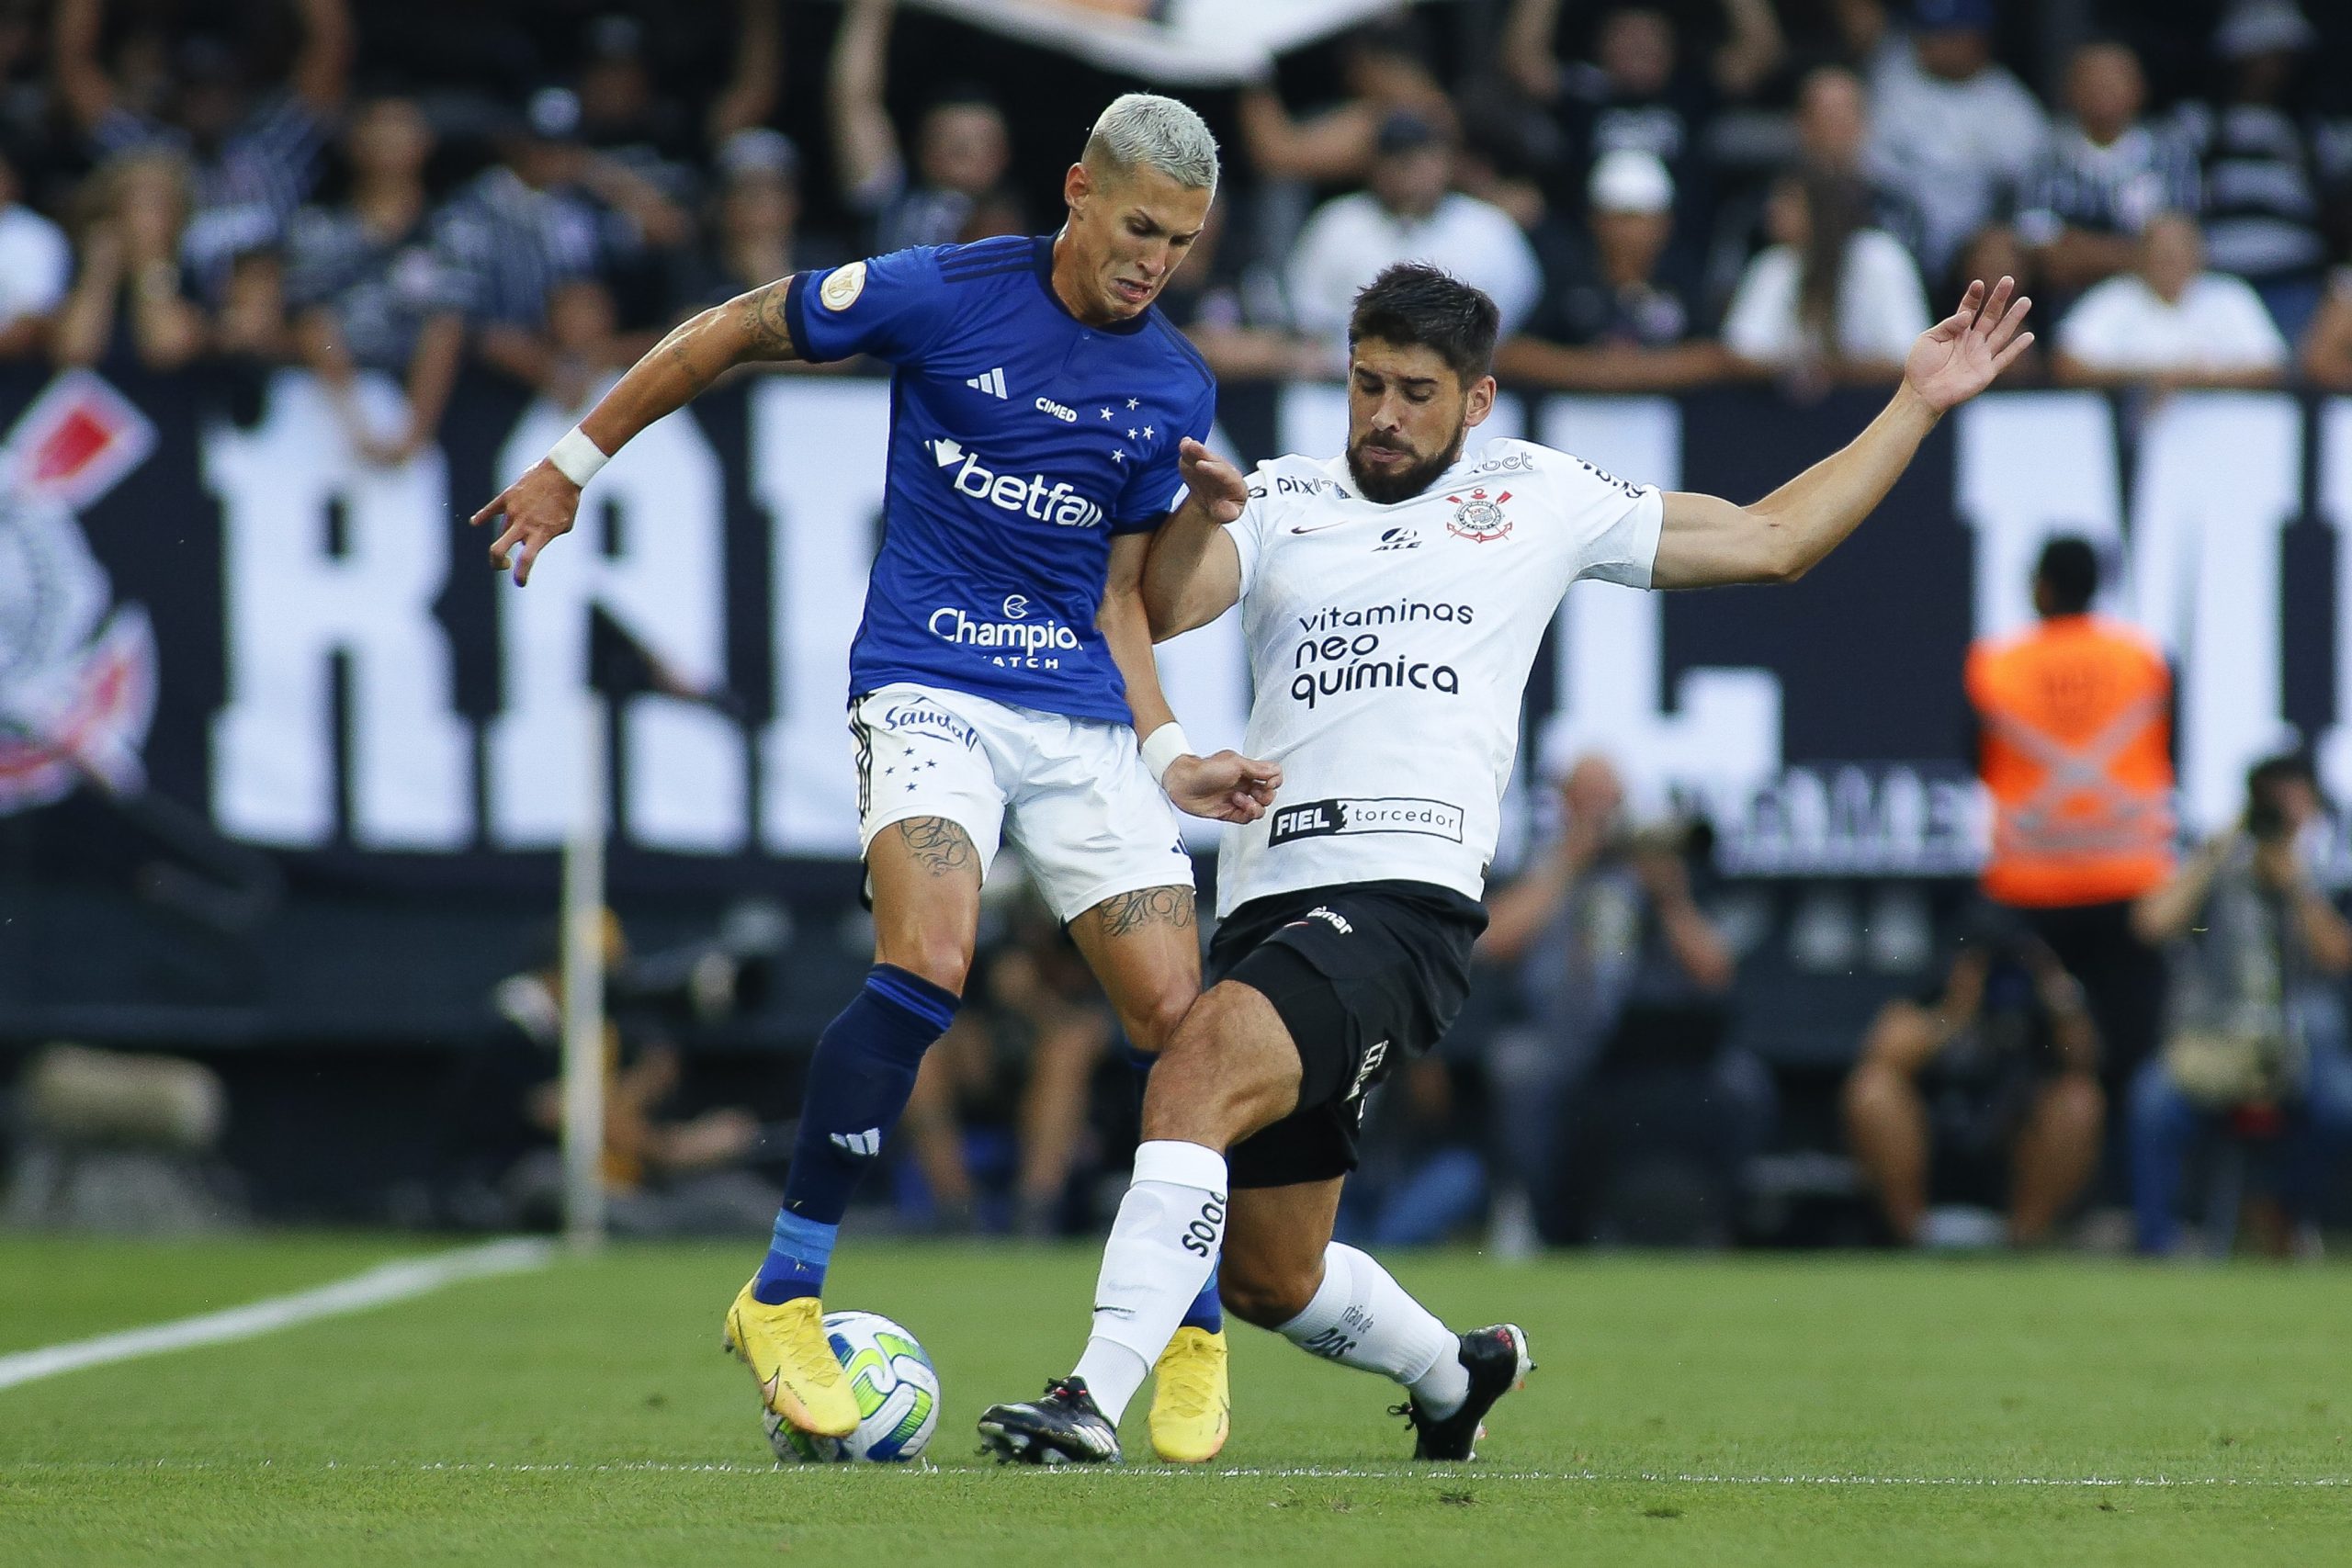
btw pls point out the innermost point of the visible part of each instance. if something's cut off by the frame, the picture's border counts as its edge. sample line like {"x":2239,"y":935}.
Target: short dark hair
{"x":2286,"y":767}
{"x":1413,"y":304}
{"x":2068,"y":574}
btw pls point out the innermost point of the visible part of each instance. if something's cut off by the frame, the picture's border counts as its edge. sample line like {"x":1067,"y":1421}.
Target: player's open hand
{"x":539,"y":509}
{"x":1217,"y":485}
{"x":1227,"y":787}
{"x":1958,"y":357}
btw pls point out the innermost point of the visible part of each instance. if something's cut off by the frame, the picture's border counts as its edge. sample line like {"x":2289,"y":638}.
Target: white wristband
{"x":1162,"y":747}
{"x":576,"y":458}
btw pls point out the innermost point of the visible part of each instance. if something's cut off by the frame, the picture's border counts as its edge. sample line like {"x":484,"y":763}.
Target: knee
{"x":943,"y":958}
{"x":1265,"y":1294}
{"x":1872,"y":1090}
{"x":1153,"y":1021}
{"x":2074,"y":1105}
{"x":1213,"y":1067}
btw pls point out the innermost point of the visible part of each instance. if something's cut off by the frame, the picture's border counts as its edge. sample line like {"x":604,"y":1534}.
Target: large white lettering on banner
{"x":649,"y":551}
{"x":2333,"y":501}
{"x":1721,"y":740}
{"x":817,"y":461}
{"x":334,"y":572}
{"x":327,"y":560}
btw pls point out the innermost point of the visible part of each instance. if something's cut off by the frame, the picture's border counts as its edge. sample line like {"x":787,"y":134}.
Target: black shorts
{"x":1359,"y":974}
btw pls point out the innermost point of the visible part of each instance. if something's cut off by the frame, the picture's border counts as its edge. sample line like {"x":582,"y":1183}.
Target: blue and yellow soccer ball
{"x":896,"y":1390}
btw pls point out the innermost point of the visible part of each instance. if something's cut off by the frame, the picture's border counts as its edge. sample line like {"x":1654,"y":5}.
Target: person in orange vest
{"x":2073,"y":742}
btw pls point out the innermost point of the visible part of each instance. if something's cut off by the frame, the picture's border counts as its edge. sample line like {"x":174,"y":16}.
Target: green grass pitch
{"x":1716,"y":1412}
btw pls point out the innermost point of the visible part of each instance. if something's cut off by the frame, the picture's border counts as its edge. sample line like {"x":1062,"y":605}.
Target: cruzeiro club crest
{"x":78,"y":672}
{"x":1478,"y":517}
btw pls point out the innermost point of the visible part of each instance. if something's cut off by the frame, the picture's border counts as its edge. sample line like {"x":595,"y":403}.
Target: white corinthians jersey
{"x":1389,"y":647}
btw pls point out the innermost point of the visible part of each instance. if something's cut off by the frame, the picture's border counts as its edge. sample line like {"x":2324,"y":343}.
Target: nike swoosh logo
{"x":1320,"y":526}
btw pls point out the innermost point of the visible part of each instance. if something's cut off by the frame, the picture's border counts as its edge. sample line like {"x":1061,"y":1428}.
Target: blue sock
{"x":1208,"y":1311}
{"x":858,"y":1083}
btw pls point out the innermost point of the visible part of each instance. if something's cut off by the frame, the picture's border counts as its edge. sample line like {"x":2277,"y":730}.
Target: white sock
{"x":1162,"y":1246}
{"x":1362,"y":1317}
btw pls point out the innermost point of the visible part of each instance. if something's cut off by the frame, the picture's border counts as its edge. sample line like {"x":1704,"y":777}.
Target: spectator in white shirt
{"x":2171,"y":323}
{"x":1408,"y":214}
{"x":1961,"y":133}
{"x":1830,"y":299}
{"x":36,"y":263}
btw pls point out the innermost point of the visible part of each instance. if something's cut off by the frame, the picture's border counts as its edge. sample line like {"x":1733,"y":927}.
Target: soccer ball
{"x":897,"y":1391}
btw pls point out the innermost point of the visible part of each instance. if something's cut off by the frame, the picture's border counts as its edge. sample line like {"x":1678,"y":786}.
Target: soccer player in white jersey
{"x":1394,"y":600}
{"x":1002,"y":673}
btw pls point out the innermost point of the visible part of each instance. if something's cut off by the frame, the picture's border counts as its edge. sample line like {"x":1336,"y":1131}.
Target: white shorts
{"x":1073,"y":795}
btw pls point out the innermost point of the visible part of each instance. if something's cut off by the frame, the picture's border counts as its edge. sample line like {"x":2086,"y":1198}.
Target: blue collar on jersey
{"x":1043,"y":251}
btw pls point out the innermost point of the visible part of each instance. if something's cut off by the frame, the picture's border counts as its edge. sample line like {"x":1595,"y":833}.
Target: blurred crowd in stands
{"x":1658,"y":195}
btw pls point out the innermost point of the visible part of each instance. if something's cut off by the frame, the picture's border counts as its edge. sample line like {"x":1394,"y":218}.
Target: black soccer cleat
{"x":1062,"y":1427}
{"x":1497,"y":1362}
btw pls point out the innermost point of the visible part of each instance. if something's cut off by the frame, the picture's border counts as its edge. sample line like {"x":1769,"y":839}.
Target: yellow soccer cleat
{"x":793,"y":1362}
{"x":1191,"y":1404}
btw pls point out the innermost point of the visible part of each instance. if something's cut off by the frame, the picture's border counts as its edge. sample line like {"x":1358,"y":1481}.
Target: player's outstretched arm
{"x":1193,"y":573}
{"x":539,"y":507}
{"x":1226,"y":787}
{"x":1707,"y":540}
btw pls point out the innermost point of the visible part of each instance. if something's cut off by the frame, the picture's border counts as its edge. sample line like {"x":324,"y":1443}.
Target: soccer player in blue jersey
{"x":1003,"y":673}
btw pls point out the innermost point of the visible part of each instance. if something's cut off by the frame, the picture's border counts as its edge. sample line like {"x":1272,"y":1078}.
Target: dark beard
{"x":1386,"y":490}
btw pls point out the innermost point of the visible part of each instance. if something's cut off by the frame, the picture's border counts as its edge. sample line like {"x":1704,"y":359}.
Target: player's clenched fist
{"x":539,"y":509}
{"x":1214,"y":483}
{"x":1227,"y":787}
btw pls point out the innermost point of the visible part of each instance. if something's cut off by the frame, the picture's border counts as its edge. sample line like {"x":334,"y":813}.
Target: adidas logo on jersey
{"x":991,"y":383}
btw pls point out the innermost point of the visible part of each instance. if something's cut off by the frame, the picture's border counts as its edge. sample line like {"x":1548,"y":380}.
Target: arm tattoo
{"x":941,"y":848}
{"x":764,"y":322}
{"x":674,"y":345}
{"x":1123,"y":912}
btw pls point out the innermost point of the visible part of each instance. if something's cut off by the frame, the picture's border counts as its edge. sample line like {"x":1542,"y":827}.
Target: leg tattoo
{"x":1123,"y":912}
{"x":944,"y":849}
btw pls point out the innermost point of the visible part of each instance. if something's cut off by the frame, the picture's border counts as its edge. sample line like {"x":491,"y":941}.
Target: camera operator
{"x":1626,"y":983}
{"x":2255,"y":1037}
{"x":1984,"y":1092}
{"x":666,"y":1172}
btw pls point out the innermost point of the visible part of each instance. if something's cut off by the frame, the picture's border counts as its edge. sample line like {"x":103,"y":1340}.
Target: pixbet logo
{"x":1048,"y":502}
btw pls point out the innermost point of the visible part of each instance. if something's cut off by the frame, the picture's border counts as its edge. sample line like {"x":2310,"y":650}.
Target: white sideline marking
{"x":380,"y":1286}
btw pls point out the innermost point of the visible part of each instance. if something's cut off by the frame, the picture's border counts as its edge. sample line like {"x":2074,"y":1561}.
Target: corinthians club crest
{"x":1477,"y":518}
{"x":77,"y":672}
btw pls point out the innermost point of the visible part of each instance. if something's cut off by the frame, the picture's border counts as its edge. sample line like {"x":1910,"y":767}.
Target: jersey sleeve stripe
{"x":994,"y":248}
{"x":1006,"y":254}
{"x":972,"y":274}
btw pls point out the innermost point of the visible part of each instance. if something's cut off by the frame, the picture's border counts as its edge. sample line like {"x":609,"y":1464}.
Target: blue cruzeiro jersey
{"x":1021,"y":440}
